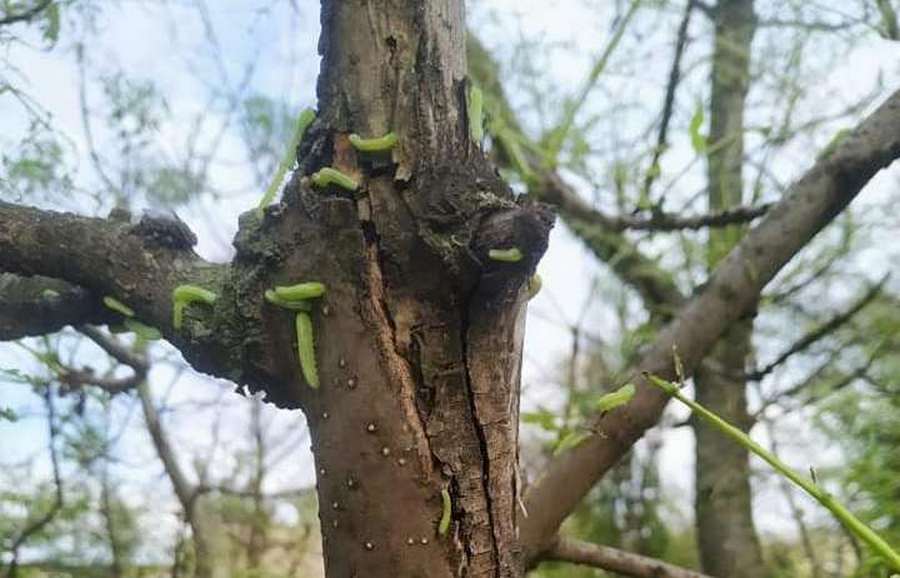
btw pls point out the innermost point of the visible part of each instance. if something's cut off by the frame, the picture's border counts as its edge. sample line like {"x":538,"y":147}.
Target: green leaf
{"x":543,"y":418}
{"x":7,"y":414}
{"x":698,"y":139}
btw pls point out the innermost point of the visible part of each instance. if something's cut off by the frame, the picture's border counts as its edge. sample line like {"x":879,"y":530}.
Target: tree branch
{"x":40,"y":305}
{"x":104,"y":256}
{"x":615,"y":560}
{"x":38,"y":523}
{"x":655,"y":286}
{"x":818,"y":333}
{"x":732,"y":292}
{"x":27,"y":14}
{"x":662,"y":140}
{"x":662,"y":221}
{"x":115,"y":349}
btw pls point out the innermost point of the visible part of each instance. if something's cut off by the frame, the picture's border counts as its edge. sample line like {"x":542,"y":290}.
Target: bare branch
{"x":27,"y":14}
{"x":814,"y":378}
{"x":655,"y":286}
{"x":115,"y":349}
{"x":707,"y":9}
{"x":615,"y":560}
{"x":662,"y":140}
{"x":811,"y":25}
{"x":40,"y":305}
{"x":732,"y":292}
{"x":819,"y":332}
{"x":72,"y":379}
{"x":662,"y":221}
{"x":42,"y":520}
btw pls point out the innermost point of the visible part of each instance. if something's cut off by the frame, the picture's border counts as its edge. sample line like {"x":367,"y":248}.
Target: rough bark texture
{"x":422,"y":392}
{"x":726,"y":535}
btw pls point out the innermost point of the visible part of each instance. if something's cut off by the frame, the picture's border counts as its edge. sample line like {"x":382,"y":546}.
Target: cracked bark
{"x":418,"y":338}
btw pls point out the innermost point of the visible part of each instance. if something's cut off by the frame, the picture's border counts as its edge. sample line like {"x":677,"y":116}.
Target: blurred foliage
{"x":863,"y":420}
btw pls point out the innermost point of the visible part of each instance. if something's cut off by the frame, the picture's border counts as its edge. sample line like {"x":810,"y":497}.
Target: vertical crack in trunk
{"x":484,"y":449}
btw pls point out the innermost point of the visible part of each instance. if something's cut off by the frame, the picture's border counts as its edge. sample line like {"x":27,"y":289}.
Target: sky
{"x":169,"y":44}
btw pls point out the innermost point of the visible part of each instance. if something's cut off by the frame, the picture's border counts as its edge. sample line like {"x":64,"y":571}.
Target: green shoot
{"x":853,"y":524}
{"x":287,"y":161}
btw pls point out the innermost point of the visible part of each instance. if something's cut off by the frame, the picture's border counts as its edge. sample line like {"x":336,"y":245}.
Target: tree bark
{"x":726,"y":534}
{"x":421,"y":348}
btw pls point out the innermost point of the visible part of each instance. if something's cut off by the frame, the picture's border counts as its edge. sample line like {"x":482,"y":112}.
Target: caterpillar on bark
{"x":534,"y":286}
{"x":511,"y":255}
{"x":372,"y":145}
{"x":297,"y":298}
{"x":274,"y":299}
{"x":329,"y":176}
{"x":621,"y":396}
{"x":444,"y":524}
{"x":300,"y":291}
{"x":306,"y":348}
{"x":475,"y":113}
{"x":183,"y":295}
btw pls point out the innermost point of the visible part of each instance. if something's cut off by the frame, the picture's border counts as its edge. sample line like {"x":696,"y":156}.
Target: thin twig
{"x":615,"y":560}
{"x":818,"y":333}
{"x":27,"y":14}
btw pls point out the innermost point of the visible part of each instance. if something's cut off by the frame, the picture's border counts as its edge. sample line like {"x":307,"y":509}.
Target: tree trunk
{"x":419,"y":335}
{"x":726,"y":534}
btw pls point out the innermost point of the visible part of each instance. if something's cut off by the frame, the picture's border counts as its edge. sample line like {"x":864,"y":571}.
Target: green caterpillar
{"x":274,"y":299}
{"x":303,"y":121}
{"x":512,"y":255}
{"x":296,"y":298}
{"x":118,"y":306}
{"x":329,"y":176}
{"x":300,"y":291}
{"x":444,"y":524}
{"x":371,"y":145}
{"x":621,"y":396}
{"x":306,"y":348}
{"x":183,"y":295}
